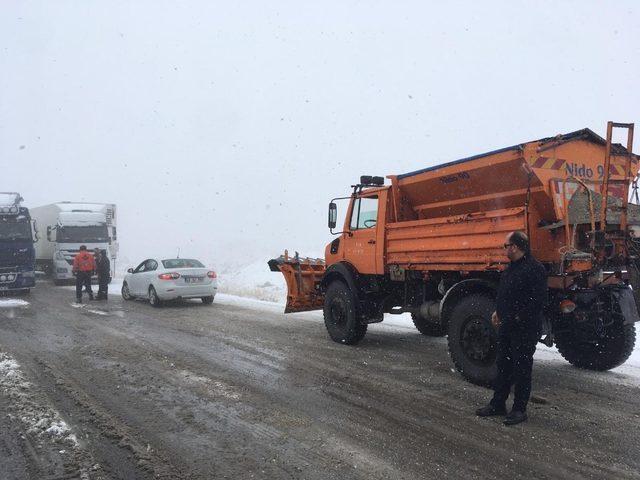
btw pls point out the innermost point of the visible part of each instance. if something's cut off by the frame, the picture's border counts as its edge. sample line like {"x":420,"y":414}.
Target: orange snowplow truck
{"x":431,"y":243}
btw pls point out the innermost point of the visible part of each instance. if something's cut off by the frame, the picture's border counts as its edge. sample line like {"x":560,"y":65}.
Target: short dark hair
{"x":520,"y":240}
{"x":83,"y":247}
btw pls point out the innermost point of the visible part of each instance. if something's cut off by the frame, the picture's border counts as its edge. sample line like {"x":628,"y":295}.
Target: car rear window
{"x":182,"y":263}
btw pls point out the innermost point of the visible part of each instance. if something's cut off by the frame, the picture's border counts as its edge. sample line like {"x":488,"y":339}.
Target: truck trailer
{"x":430,"y":243}
{"x":68,"y":225}
{"x":17,"y":255}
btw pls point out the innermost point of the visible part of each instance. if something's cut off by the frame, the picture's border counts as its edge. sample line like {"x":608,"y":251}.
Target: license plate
{"x":193,"y":279}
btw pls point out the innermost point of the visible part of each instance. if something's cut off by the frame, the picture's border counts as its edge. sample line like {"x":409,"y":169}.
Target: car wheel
{"x":154,"y":300}
{"x":126,"y":294}
{"x":207,"y":300}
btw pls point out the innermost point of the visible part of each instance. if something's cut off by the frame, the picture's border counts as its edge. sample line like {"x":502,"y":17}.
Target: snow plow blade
{"x":303,"y":276}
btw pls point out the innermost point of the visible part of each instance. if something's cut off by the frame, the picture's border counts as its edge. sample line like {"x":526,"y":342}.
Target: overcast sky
{"x":224,"y":128}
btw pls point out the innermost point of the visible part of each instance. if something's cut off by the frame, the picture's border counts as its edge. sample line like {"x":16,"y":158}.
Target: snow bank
{"x":39,"y":419}
{"x":12,"y":303}
{"x":253,"y":280}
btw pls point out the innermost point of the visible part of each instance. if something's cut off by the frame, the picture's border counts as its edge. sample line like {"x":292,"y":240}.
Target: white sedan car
{"x":174,"y":278}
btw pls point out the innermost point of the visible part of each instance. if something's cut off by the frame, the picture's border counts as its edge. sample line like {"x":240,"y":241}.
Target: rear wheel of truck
{"x":605,"y":352}
{"x":341,"y":316}
{"x":472,"y":339}
{"x":428,"y":326}
{"x":207,"y":300}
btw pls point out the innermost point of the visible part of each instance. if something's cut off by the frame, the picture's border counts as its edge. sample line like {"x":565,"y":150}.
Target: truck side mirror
{"x":129,"y":270}
{"x":36,"y":234}
{"x":333,"y":215}
{"x":49,"y":233}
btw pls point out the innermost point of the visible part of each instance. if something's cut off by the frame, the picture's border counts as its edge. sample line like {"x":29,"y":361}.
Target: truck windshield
{"x":88,"y":234}
{"x":12,"y":229}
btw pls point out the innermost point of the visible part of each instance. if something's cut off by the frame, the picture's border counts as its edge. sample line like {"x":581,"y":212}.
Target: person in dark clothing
{"x":83,"y":267}
{"x":103,"y":267}
{"x":522,"y":295}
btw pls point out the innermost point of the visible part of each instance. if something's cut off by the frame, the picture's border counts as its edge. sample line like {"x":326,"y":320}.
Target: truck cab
{"x":69,"y":225}
{"x":361,"y":243}
{"x":17,"y":255}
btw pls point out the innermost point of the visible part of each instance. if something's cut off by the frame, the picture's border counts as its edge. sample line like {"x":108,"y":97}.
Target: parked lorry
{"x":69,"y":225}
{"x":17,"y":255}
{"x":431,"y":244}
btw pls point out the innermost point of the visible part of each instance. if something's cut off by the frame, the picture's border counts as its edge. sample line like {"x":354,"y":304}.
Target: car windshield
{"x":86,"y":234}
{"x":182,"y":263}
{"x":12,"y":229}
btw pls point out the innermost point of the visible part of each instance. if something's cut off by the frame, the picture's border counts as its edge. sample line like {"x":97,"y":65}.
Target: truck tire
{"x":606,"y":353}
{"x":472,"y":339}
{"x":427,"y":326}
{"x":341,"y":316}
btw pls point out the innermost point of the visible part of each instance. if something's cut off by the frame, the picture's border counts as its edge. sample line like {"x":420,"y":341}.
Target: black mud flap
{"x":628,"y":307}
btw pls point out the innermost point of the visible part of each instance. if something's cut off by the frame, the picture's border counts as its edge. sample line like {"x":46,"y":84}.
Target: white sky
{"x":225,"y":129}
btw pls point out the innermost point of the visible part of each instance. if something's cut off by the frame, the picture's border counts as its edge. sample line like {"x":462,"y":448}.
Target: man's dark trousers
{"x":83,"y":279}
{"x":516,"y":346}
{"x":103,"y":287}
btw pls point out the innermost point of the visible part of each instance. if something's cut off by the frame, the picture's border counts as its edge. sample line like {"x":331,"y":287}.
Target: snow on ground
{"x":38,"y":418}
{"x":254,"y":280}
{"x":12,"y":303}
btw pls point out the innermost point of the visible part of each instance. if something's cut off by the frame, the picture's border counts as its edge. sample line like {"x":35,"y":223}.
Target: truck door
{"x":361,"y":241}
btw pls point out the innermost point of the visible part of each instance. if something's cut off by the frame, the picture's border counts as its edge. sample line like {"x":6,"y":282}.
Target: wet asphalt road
{"x":241,"y":391}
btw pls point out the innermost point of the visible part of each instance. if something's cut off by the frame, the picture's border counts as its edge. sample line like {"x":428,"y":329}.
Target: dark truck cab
{"x":17,"y":255}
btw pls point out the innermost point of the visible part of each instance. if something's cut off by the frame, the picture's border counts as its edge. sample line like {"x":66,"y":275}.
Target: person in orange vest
{"x":84,"y":264}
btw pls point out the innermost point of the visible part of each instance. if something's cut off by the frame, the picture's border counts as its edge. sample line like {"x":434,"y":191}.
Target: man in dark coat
{"x":522,"y":295}
{"x":103,"y":267}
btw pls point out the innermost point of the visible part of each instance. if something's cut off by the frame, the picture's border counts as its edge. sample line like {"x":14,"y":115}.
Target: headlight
{"x":634,"y":231}
{"x":59,"y":255}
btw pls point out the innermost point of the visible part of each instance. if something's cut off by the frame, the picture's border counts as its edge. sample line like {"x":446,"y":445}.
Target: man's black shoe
{"x":514,"y":417}
{"x":490,"y":411}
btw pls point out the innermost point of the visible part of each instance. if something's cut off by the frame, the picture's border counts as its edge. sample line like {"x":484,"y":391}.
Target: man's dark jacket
{"x":103,"y":266}
{"x":522,"y":293}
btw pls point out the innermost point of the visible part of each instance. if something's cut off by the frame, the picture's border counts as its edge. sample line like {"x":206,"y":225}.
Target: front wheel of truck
{"x":472,"y":339}
{"x":341,"y":316}
{"x":605,"y":351}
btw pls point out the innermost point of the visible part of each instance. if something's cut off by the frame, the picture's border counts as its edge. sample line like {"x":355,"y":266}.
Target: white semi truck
{"x":67,"y":226}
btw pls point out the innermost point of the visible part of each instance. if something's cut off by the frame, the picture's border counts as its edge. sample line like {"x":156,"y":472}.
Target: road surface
{"x":237,"y":390}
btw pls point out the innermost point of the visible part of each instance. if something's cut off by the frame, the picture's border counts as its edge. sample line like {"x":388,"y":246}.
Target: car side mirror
{"x":333,"y":215}
{"x":129,"y":270}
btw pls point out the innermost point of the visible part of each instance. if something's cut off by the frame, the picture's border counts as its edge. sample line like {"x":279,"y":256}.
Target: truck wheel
{"x":340,"y":315}
{"x":154,"y":300}
{"x":472,"y":339}
{"x":57,"y":283}
{"x":605,"y":353}
{"x":207,"y":300}
{"x":428,"y":326}
{"x":126,"y":294}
